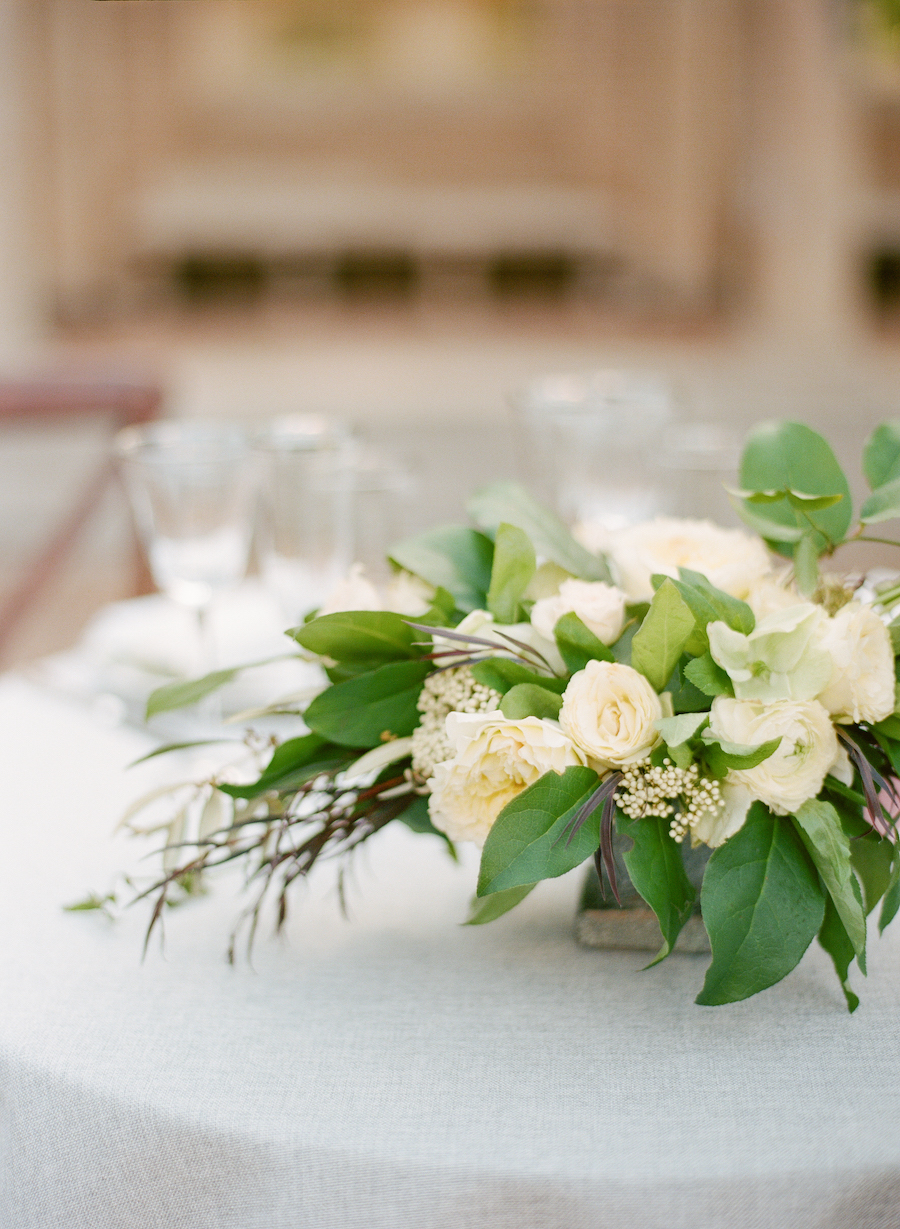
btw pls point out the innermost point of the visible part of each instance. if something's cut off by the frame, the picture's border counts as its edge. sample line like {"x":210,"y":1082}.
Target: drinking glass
{"x":305,"y":540}
{"x":191,"y":484}
{"x":592,"y":443}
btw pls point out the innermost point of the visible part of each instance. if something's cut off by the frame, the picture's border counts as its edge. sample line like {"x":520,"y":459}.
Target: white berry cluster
{"x":445,"y":692}
{"x":668,"y":791}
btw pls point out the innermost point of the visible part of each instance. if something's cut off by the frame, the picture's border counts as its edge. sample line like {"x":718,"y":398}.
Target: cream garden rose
{"x":861,"y":687}
{"x":494,"y":760}
{"x":796,"y":770}
{"x":728,"y":558}
{"x":600,"y":607}
{"x":609,"y":711}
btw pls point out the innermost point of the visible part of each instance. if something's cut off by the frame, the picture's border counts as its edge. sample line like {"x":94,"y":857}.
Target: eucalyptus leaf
{"x":577,"y":644}
{"x":829,"y":847}
{"x":488,"y":908}
{"x":362,"y":711}
{"x":513,"y":568}
{"x":453,"y":558}
{"x":529,"y":840}
{"x":762,"y":906}
{"x":656,"y":868}
{"x":883,"y":504}
{"x":509,"y":502}
{"x":791,"y":456}
{"x":881,"y":454}
{"x":660,"y":640}
{"x":530,"y":700}
{"x":359,"y":636}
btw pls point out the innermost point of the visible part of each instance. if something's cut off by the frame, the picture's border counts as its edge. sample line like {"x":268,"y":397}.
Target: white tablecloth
{"x":398,"y":1070}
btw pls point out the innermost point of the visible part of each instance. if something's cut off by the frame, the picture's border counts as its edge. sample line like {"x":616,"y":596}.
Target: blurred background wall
{"x":398,"y":210}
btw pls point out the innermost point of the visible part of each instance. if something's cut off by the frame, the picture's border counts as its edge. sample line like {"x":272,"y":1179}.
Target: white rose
{"x":600,"y":607}
{"x":796,"y":770}
{"x":407,"y":594}
{"x":609,"y":711}
{"x":481,"y":623}
{"x":730,"y":559}
{"x":494,"y":760}
{"x":354,"y":592}
{"x":768,"y":594}
{"x":862,"y":682}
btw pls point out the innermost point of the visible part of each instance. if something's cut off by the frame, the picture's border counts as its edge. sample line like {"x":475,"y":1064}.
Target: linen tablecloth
{"x":398,"y":1070}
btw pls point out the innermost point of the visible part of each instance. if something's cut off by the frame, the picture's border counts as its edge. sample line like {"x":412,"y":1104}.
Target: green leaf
{"x":359,"y":636}
{"x":829,"y":847}
{"x":656,"y":868}
{"x":513,"y":567}
{"x":762,"y":906}
{"x":872,"y":858}
{"x":528,"y":841}
{"x":189,"y":691}
{"x":836,"y":942}
{"x":287,"y":767}
{"x":883,"y":504}
{"x":721,"y":755}
{"x":890,"y":727}
{"x":709,"y":603}
{"x":891,"y":902}
{"x":357,"y":713}
{"x":167,"y":747}
{"x":677,"y":730}
{"x":771,"y":530}
{"x":791,"y":456}
{"x":881,"y":454}
{"x":686,"y":698}
{"x":577,"y":643}
{"x":708,"y":677}
{"x":530,"y":700}
{"x":501,"y":674}
{"x":509,"y":502}
{"x":660,"y":640}
{"x":806,"y":563}
{"x":418,"y":820}
{"x":451,"y":557}
{"x":489,"y":908}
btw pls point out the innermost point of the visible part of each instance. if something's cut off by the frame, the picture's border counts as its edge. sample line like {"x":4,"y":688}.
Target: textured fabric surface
{"x":398,"y":1070}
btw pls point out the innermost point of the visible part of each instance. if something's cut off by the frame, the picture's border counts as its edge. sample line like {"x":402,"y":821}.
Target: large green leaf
{"x":781,"y":456}
{"x":529,"y":841}
{"x":881,"y":454}
{"x":361,"y":711}
{"x":513,"y":567}
{"x":762,"y":906}
{"x":577,"y":644}
{"x":359,"y":636}
{"x":509,"y":502}
{"x":656,"y":868}
{"x":453,"y":558}
{"x":834,"y":939}
{"x":530,"y":700}
{"x":709,"y":677}
{"x":488,"y":908}
{"x":828,"y":845}
{"x":660,"y":640}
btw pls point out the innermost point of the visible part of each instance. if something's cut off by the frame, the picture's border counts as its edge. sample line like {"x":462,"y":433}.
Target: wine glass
{"x":191,"y":484}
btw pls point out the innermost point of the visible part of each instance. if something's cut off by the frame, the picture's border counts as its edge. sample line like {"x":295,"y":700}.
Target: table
{"x":398,"y":1071}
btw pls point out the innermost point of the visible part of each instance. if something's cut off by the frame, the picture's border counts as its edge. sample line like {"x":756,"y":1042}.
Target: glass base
{"x":601,"y":923}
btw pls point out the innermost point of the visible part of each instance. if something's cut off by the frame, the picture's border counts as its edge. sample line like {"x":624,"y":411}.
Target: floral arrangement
{"x":545,"y":694}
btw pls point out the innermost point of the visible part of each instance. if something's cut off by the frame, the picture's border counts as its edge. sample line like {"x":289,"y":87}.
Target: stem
{"x":860,"y":537}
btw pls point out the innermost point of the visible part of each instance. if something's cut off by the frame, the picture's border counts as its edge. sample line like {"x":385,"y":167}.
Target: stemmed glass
{"x":191,"y":484}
